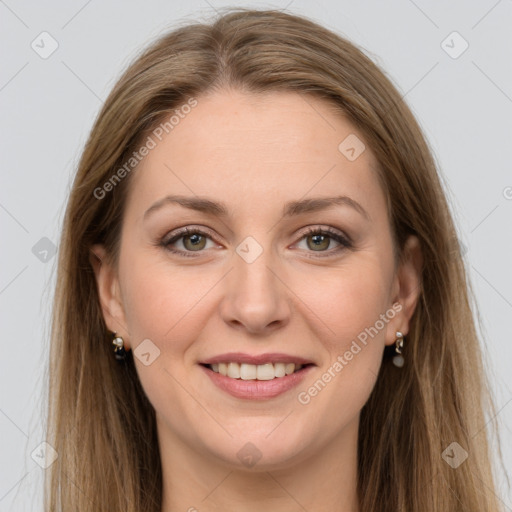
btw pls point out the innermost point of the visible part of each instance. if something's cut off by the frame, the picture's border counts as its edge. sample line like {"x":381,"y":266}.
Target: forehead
{"x":250,"y":150}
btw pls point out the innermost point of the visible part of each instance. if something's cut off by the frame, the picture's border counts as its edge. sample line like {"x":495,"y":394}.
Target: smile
{"x":256,"y":382}
{"x":245,"y":371}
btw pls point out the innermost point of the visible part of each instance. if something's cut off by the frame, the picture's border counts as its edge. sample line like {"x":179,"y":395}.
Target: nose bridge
{"x":252,"y":263}
{"x":254,"y":295}
{"x":252,"y":275}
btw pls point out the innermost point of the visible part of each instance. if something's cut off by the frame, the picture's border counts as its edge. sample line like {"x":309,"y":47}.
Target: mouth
{"x":256,"y":381}
{"x":256,"y":377}
{"x":256,"y":372}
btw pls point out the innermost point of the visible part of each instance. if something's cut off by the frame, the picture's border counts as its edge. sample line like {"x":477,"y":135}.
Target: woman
{"x":261,"y":301}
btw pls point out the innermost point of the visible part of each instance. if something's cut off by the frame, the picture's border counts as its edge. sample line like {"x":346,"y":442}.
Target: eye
{"x":195,"y":240}
{"x":319,"y":239}
{"x":192,"y":240}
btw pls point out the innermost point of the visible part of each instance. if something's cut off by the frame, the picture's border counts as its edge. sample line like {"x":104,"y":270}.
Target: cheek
{"x":354,"y":305}
{"x":370,"y":310}
{"x":160,"y":300}
{"x":166,"y":306}
{"x":162,"y":310}
{"x":163,"y":303}
{"x":349,"y":299}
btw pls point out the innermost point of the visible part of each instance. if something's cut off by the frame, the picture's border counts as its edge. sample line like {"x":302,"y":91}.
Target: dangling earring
{"x":398,"y":359}
{"x":119,"y":351}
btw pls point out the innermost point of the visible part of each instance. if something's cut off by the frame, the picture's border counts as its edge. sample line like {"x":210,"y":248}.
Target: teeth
{"x":279,"y":369}
{"x":247,"y":371}
{"x":234,"y":370}
{"x":266,"y":371}
{"x":289,"y":368}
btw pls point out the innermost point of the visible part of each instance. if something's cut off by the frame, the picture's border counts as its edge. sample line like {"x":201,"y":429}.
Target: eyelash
{"x":165,"y":242}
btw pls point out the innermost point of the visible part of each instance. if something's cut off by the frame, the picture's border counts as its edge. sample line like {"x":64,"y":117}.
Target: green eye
{"x":194,"y":241}
{"x":319,"y":241}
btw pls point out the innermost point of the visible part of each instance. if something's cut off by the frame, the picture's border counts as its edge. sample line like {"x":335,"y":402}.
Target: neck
{"x":324,"y":479}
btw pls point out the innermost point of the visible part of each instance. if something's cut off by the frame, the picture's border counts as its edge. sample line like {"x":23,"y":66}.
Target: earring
{"x":119,"y":351}
{"x":398,"y":359}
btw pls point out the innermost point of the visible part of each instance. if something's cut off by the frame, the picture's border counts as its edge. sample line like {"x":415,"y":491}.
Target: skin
{"x":254,"y":153}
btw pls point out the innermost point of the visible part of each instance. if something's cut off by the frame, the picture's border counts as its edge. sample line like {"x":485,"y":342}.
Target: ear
{"x":406,"y":288}
{"x":109,"y":292}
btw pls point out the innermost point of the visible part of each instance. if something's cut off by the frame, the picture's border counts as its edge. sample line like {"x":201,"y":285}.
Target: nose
{"x":256,"y":298}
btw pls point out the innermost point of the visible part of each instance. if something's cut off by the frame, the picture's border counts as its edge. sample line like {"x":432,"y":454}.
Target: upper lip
{"x":240,"y":358}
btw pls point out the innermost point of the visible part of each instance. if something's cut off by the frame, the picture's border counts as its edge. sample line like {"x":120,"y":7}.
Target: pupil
{"x":194,"y":241}
{"x":318,"y":240}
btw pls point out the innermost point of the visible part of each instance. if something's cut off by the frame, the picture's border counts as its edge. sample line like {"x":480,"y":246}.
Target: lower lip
{"x":257,"y":389}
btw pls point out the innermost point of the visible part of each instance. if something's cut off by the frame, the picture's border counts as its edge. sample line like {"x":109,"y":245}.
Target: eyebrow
{"x":290,"y":209}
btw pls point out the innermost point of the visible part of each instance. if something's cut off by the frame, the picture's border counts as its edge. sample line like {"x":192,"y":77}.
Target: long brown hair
{"x":100,"y":420}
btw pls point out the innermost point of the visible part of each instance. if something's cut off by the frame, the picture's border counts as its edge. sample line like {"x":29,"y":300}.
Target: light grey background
{"x":48,"y":105}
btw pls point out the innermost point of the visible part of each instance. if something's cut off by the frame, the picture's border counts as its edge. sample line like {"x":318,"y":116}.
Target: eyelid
{"x":189,"y":228}
{"x":315,"y":228}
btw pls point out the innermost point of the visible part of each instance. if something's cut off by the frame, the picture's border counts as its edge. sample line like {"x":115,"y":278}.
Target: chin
{"x":259,"y":452}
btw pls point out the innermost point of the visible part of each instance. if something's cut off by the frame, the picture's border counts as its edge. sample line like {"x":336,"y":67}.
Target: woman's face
{"x":269,"y":267}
